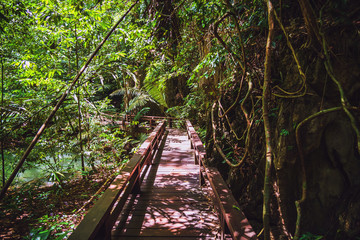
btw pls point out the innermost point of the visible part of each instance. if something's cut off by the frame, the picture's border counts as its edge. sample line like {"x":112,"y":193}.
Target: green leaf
{"x":236,"y":207}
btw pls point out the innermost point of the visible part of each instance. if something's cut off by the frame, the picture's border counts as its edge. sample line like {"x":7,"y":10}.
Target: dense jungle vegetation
{"x":272,"y":86}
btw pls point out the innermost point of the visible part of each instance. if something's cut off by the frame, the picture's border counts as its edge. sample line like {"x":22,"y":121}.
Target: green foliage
{"x":284,"y":132}
{"x":310,"y":236}
{"x":141,"y":113}
{"x":108,"y":146}
{"x":155,"y":81}
{"x":43,"y":43}
{"x":237,"y":208}
{"x":194,"y":102}
{"x":206,"y":67}
{"x":139,"y":97}
{"x":50,"y":228}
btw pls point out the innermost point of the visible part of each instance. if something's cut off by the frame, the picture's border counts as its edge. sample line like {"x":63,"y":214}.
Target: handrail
{"x":228,"y":208}
{"x":98,"y":222}
{"x":110,"y":113}
{"x":151,"y":119}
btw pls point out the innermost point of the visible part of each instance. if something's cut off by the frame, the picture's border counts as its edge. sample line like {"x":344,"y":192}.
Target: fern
{"x":155,"y":81}
{"x":139,"y":101}
{"x":155,"y":92}
{"x":141,"y":113}
{"x":139,"y":97}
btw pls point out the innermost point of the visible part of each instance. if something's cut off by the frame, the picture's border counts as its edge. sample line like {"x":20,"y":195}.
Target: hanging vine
{"x":265,"y":109}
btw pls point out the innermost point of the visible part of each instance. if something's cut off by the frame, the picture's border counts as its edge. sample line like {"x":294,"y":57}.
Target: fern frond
{"x":139,"y":97}
{"x":139,"y":102}
{"x":155,"y":92}
{"x":131,"y":91}
{"x":155,"y":81}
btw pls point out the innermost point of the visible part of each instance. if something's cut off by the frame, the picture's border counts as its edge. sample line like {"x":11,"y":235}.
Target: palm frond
{"x":155,"y":92}
{"x":133,"y":92}
{"x":139,"y":102}
{"x":139,"y":97}
{"x":136,"y":81}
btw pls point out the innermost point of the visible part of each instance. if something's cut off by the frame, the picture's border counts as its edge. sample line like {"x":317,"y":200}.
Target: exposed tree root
{"x":218,"y":148}
{"x":302,"y":90}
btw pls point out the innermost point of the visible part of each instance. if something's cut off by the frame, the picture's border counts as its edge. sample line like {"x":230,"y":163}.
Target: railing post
{"x":149,"y":157}
{"x":104,"y":232}
{"x":170,"y":122}
{"x":195,"y":157}
{"x":137,"y":184}
{"x":191,"y":142}
{"x":201,"y":178}
{"x":222,"y":226}
{"x":201,"y":175}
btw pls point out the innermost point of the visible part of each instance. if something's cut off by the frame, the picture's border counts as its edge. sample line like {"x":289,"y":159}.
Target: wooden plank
{"x":177,"y":190}
{"x":188,"y":168}
{"x":167,"y":237}
{"x":183,"y":205}
{"x":190,"y":204}
{"x":237,"y":223}
{"x":100,"y":213}
{"x":178,"y":162}
{"x":166,"y":177}
{"x":173,"y":184}
{"x":167,"y":232}
{"x":97,"y":215}
{"x":148,"y":220}
{"x":170,"y":198}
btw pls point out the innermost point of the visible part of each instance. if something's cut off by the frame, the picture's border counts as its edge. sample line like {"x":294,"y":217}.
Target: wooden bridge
{"x":166,"y":191}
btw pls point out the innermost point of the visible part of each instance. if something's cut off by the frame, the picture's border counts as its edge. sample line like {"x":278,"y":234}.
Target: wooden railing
{"x":98,"y":222}
{"x":232,"y":218}
{"x":127,"y":118}
{"x":153,"y":119}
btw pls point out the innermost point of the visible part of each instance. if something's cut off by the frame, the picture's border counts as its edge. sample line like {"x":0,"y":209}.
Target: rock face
{"x":332,"y":160}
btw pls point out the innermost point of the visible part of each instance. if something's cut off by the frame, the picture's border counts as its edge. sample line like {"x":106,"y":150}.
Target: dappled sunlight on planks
{"x":171,"y":203}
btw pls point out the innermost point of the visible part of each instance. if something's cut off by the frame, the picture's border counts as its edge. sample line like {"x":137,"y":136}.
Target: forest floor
{"x":34,"y":212}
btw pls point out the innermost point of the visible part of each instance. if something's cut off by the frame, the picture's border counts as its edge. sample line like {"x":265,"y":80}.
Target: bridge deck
{"x":170,"y":204}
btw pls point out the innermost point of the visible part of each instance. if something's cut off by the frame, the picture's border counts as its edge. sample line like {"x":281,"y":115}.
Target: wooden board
{"x":226,"y":205}
{"x":237,"y":223}
{"x":170,"y":203}
{"x":100,"y":218}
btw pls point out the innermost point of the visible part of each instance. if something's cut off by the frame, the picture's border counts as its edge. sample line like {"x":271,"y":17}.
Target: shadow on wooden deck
{"x":171,"y":203}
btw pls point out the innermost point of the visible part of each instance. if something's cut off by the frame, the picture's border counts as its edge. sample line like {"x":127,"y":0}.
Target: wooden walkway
{"x":171,"y":203}
{"x":157,"y":195}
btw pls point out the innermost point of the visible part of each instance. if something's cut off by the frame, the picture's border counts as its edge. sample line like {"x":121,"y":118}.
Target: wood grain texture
{"x":226,"y":205}
{"x":171,"y":203}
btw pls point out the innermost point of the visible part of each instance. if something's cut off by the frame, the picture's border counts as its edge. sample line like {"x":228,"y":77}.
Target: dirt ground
{"x":31,"y":211}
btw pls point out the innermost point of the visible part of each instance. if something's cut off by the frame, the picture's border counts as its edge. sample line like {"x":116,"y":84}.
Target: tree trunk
{"x":310,"y":20}
{"x":79,"y":104}
{"x":265,"y":98}
{"x":1,"y":121}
